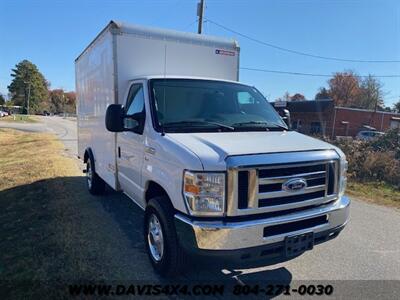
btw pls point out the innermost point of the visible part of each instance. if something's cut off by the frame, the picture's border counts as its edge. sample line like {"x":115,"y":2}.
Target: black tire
{"x":173,"y":258}
{"x":95,"y":184}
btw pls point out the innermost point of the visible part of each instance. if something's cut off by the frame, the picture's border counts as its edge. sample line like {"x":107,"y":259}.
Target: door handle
{"x":119,"y":152}
{"x":150,"y":150}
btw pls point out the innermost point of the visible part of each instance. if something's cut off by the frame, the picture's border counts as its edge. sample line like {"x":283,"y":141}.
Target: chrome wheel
{"x":89,"y":174}
{"x":155,"y":238}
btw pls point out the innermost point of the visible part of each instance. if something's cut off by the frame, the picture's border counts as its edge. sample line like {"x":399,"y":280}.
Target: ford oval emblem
{"x":294,"y":185}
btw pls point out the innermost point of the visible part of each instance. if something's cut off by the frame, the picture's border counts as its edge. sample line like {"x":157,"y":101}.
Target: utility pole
{"x":63,"y":102}
{"x":29,"y":96}
{"x":200,"y":12}
{"x":375,"y":109}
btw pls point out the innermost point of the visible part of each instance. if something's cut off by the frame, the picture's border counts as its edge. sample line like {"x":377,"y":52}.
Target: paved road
{"x":64,"y":129}
{"x":368,"y":248}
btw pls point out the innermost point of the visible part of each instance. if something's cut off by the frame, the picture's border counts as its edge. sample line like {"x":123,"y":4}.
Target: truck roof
{"x":117,"y":27}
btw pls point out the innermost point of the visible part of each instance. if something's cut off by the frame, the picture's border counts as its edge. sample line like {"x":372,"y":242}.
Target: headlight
{"x":204,"y":193}
{"x":343,"y":176}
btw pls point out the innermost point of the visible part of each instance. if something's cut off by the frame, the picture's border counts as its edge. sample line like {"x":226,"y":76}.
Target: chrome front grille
{"x":271,"y":180}
{"x":263,"y":187}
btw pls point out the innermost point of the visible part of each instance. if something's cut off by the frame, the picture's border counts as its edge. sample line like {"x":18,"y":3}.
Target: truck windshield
{"x":189,"y":105}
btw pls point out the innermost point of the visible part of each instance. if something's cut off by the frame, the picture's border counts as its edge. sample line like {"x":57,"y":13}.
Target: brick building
{"x":323,"y":118}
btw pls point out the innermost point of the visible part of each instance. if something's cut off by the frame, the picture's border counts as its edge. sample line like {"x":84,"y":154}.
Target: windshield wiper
{"x":179,"y":123}
{"x":268,"y":125}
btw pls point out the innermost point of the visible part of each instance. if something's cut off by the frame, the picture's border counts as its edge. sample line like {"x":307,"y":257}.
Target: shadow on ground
{"x":54,"y":230}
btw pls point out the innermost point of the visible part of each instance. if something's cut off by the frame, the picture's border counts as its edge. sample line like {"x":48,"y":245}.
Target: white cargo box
{"x":121,"y":53}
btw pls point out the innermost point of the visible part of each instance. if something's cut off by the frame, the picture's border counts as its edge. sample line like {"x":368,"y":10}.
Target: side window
{"x":135,"y":107}
{"x":135,"y":101}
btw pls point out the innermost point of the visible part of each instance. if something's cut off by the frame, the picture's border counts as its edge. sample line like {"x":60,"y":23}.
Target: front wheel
{"x":162,"y":245}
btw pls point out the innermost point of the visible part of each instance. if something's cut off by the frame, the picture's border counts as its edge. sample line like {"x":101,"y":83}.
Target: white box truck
{"x":217,"y":172}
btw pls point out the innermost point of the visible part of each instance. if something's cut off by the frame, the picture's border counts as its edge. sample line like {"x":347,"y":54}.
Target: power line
{"x":312,"y":74}
{"x":189,"y":25}
{"x":299,"y":52}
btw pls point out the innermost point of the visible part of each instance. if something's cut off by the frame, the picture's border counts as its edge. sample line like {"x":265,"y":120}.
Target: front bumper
{"x":221,"y":235}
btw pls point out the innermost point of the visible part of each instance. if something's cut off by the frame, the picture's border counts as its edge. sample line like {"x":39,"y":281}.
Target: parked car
{"x":3,"y":113}
{"x":210,"y":162}
{"x":368,"y":135}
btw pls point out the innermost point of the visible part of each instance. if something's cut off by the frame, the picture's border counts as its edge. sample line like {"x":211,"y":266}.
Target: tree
{"x":28,"y":82}
{"x":60,"y":101}
{"x":396,"y":106}
{"x":322,"y":94}
{"x":285,"y":97}
{"x":70,"y":102}
{"x":56,"y":101}
{"x":388,"y":109}
{"x":297,"y":97}
{"x":371,"y":94}
{"x":2,"y":99}
{"x":344,"y":88}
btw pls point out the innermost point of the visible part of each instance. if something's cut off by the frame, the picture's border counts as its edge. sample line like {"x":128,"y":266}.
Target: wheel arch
{"x":154,"y":189}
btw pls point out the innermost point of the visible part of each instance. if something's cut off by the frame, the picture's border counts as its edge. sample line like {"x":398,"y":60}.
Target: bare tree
{"x":371,"y":95}
{"x":297,"y":97}
{"x":322,"y":94}
{"x":396,"y":106}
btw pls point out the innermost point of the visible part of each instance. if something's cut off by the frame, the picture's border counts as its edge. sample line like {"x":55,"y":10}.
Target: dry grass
{"x":19,"y":119}
{"x":32,"y":174}
{"x":374,"y":192}
{"x":52,"y":230}
{"x":29,"y":157}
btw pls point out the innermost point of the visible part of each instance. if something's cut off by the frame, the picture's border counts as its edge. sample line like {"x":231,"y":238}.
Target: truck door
{"x":130,"y":144}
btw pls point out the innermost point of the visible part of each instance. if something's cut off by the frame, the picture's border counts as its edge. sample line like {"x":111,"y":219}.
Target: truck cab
{"x":215,"y":169}
{"x":237,"y":182}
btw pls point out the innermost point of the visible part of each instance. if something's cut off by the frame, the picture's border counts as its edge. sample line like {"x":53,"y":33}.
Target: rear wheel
{"x":95,"y":184}
{"x":162,"y":245}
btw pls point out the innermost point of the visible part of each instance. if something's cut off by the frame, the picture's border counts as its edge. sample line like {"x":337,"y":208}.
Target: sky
{"x":53,"y":33}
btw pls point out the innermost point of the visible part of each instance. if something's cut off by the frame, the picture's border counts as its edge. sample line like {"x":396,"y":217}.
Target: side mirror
{"x":286,"y":118}
{"x":115,"y":118}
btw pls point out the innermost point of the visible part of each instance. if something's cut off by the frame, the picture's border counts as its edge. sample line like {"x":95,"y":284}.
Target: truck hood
{"x":213,"y":147}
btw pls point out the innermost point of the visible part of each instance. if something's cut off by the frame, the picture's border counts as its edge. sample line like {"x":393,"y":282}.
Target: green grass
{"x":19,"y":119}
{"x":374,"y":192}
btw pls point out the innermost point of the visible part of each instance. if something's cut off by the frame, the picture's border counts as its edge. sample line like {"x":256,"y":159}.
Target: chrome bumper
{"x":219,"y":235}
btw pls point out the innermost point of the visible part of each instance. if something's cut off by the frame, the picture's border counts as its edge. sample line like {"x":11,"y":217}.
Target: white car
{"x":368,"y":135}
